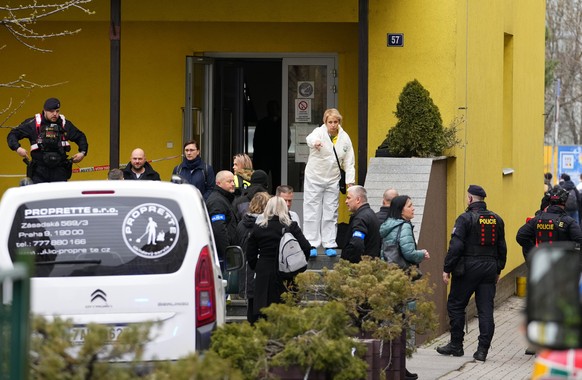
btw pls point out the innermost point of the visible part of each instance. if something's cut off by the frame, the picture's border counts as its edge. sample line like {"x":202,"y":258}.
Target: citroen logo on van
{"x":99,"y":294}
{"x":150,"y":230}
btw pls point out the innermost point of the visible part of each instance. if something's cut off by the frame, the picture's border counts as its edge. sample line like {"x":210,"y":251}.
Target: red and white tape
{"x":106,"y":167}
{"x":96,"y":168}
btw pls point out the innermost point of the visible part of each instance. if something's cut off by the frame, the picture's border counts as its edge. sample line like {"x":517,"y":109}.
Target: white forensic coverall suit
{"x":321,"y":185}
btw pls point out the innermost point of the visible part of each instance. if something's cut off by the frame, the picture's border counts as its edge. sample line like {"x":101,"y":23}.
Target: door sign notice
{"x":302,"y":110}
{"x":305,"y":89}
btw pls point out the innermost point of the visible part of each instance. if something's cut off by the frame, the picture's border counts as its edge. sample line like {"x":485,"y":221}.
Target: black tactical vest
{"x":548,"y":226}
{"x":483,"y":238}
{"x":50,"y":138}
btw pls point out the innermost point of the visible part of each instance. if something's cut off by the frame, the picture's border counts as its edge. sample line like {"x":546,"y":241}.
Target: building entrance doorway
{"x":261,"y":106}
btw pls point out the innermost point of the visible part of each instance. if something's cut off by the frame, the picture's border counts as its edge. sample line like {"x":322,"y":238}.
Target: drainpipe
{"x":114,"y":94}
{"x":362,"y":90}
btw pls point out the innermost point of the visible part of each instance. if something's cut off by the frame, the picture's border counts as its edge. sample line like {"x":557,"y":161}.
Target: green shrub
{"x":314,"y":338}
{"x":375,"y":295}
{"x":208,"y":366}
{"x":53,"y":355}
{"x":419,"y":131}
{"x":243,"y":347}
{"x":316,"y":327}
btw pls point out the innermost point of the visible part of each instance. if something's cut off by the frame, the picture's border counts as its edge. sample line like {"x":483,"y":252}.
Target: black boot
{"x":480,"y":354}
{"x":455,"y":349}
{"x":410,"y":376}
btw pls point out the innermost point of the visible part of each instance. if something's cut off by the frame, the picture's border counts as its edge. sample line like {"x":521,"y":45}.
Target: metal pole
{"x":363,"y":8}
{"x":115,"y":62}
{"x":554,"y":168}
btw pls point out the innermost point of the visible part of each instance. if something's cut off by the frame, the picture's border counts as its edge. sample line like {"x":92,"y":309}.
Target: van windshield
{"x":100,"y":236}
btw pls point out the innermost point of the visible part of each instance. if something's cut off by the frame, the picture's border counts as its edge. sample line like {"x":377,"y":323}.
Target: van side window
{"x":105,"y":236}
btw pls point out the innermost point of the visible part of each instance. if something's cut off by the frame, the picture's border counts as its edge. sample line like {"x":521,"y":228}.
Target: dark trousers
{"x":251,"y":316}
{"x":480,"y":278}
{"x":40,"y":173}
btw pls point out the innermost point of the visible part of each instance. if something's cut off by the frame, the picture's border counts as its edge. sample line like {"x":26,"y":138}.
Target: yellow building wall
{"x":153,"y":69}
{"x":478,"y":60}
{"x":222,"y":11}
{"x":482,"y":62}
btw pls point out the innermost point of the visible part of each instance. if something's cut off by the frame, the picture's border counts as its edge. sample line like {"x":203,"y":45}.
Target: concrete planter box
{"x":425,"y":181}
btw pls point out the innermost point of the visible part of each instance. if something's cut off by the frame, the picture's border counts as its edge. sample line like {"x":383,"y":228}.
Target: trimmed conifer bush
{"x":419,"y":131}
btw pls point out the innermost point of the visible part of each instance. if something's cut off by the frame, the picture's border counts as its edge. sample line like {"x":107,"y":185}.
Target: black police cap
{"x":477,"y":190}
{"x":52,"y":104}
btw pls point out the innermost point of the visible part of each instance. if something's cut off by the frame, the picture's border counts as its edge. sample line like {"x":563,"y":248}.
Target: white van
{"x":118,"y":253}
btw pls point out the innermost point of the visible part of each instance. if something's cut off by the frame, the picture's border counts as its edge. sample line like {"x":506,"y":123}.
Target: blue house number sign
{"x":395,"y":39}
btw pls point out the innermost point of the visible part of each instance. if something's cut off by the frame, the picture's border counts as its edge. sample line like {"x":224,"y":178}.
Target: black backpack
{"x":572,"y":201}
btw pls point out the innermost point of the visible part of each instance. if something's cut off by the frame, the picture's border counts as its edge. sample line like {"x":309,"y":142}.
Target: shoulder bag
{"x":342,"y":181}
{"x":391,"y":252}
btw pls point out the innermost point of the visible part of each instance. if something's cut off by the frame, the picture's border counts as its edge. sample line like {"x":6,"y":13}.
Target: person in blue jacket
{"x":195,"y":171}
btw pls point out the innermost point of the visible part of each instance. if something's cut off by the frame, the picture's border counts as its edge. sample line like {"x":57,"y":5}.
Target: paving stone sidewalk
{"x":506,"y":358}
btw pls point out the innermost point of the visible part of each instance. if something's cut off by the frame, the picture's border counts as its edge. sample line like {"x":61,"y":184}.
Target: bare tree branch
{"x":19,"y":21}
{"x":564,"y":57}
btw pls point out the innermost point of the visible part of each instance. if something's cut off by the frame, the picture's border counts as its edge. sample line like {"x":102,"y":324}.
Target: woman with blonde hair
{"x":265,"y":238}
{"x":242,"y":167}
{"x":329,"y":148}
{"x":243,"y":232}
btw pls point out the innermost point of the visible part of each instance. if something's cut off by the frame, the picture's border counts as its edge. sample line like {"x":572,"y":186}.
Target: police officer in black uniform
{"x":49,"y":134}
{"x":222,"y":214}
{"x":364,"y":228}
{"x":476,"y":256}
{"x":549,"y":224}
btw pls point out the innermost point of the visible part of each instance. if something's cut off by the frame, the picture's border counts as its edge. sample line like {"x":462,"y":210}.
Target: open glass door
{"x":309,"y":88}
{"x":229,"y":116}
{"x":198,"y":102}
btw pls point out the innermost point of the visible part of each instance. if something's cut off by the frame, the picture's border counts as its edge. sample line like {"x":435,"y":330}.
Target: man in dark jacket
{"x":49,"y":134}
{"x":222,"y":214}
{"x":364,"y":228}
{"x":139,"y":168}
{"x":572,"y":206}
{"x":476,"y":256}
{"x":549,"y":225}
{"x":382,"y":214}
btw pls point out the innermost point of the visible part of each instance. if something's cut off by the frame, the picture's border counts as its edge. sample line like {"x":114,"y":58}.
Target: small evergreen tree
{"x":53,"y":355}
{"x":419,"y":131}
{"x":314,"y":337}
